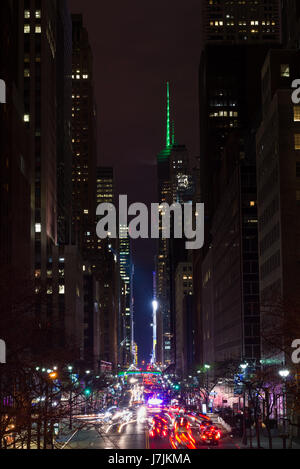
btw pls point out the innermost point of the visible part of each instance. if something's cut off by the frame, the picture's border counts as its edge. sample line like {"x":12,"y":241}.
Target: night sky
{"x":138,"y":46}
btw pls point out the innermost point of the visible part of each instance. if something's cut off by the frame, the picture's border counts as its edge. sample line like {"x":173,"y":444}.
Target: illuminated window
{"x":38,"y":14}
{"x":85,"y":77}
{"x":252,"y":203}
{"x":26,"y":73}
{"x":285,"y":70}
{"x":38,"y":29}
{"x":296,"y":113}
{"x":27,"y":14}
{"x":61,"y":289}
{"x":26,"y":28}
{"x":38,"y":228}
{"x":26,"y":118}
{"x":297,"y":141}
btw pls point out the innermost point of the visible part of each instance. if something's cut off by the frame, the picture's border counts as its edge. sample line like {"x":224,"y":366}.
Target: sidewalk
{"x":277,"y":442}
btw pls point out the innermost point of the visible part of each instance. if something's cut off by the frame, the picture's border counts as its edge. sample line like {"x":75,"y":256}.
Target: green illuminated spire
{"x":168,"y":143}
{"x":170,"y":133}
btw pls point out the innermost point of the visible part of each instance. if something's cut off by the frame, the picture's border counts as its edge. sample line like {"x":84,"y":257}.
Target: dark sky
{"x":138,"y":45}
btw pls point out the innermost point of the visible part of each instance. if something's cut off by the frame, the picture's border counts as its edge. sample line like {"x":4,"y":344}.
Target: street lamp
{"x":284,"y":373}
{"x":244,"y":367}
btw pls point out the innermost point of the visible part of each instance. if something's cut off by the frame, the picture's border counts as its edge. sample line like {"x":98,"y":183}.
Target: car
{"x":205,"y":424}
{"x":159,"y":427}
{"x":181,"y":437}
{"x":210,"y":435}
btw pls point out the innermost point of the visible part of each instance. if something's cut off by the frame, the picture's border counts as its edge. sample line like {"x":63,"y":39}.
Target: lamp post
{"x":244,"y":366}
{"x":154,"y":325}
{"x":207,"y":368}
{"x":70,"y":369}
{"x":284,"y":373}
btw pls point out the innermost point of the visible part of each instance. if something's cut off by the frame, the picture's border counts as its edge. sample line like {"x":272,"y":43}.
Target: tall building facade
{"x":278,"y":176}
{"x":84,"y":140}
{"x":15,"y":165}
{"x":63,"y":121}
{"x":15,"y":183}
{"x":46,"y":71}
{"x":126,"y":274}
{"x":183,"y":288}
{"x":237,"y":37}
{"x":108,"y":276}
{"x":239,"y":21}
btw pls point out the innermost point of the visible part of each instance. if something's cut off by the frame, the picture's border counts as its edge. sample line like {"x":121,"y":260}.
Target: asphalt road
{"x":131,"y":437}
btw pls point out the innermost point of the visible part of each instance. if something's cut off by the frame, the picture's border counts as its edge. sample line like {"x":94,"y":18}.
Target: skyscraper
{"x":278,"y":176}
{"x":63,"y":120}
{"x":175,"y":185}
{"x":83,"y":139}
{"x":183,"y":288}
{"x":237,"y":37}
{"x":126,"y":273}
{"x":44,"y":81}
{"x":108,"y":276}
{"x":163,"y":262}
{"x":15,"y":172}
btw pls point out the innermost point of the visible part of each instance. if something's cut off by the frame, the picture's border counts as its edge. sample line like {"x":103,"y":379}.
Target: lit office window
{"x":285,"y":70}
{"x":296,"y":113}
{"x":27,"y":14}
{"x":38,"y":29}
{"x":297,"y":141}
{"x":38,"y":14}
{"x":26,"y":28}
{"x":38,"y":228}
{"x":26,"y":118}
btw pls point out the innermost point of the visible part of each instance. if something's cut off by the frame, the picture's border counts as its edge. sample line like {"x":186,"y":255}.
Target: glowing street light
{"x":284,"y":373}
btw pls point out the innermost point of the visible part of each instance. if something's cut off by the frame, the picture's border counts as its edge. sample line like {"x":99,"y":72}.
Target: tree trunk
{"x":269,"y":435}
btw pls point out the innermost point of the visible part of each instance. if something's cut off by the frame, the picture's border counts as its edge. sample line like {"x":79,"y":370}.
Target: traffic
{"x":147,"y":404}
